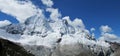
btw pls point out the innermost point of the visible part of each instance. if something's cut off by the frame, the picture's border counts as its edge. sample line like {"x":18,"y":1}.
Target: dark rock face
{"x":39,"y":50}
{"x":8,"y":48}
{"x":15,"y":28}
{"x":101,"y":54}
{"x":115,"y":48}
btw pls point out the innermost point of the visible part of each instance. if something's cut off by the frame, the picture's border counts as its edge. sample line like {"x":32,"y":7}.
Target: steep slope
{"x":37,"y":25}
{"x":8,"y":48}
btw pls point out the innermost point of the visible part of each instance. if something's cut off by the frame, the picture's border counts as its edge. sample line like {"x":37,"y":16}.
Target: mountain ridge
{"x":54,"y":36}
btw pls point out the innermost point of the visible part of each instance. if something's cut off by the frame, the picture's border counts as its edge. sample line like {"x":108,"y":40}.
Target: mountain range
{"x":49,"y":37}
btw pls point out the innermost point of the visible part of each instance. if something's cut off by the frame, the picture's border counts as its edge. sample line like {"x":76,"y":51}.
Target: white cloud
{"x":48,"y":3}
{"x":19,"y":9}
{"x":92,"y":29}
{"x":79,"y":23}
{"x":105,"y":29}
{"x":93,"y":34}
{"x":109,"y":37}
{"x":4,"y":23}
{"x":55,"y":15}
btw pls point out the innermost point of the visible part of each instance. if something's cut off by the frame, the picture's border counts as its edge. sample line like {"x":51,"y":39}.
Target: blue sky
{"x":94,"y":13}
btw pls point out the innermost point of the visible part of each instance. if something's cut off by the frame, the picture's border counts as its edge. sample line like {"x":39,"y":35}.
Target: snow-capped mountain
{"x":55,"y":35}
{"x":44,"y":37}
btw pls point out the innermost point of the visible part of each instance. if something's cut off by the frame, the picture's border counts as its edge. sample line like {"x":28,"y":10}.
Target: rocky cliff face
{"x":115,"y":48}
{"x":8,"y":48}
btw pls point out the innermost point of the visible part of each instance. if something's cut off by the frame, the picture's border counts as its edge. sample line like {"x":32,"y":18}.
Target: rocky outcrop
{"x":72,"y":50}
{"x":115,"y":48}
{"x":8,"y":48}
{"x":38,"y":50}
{"x":60,"y":50}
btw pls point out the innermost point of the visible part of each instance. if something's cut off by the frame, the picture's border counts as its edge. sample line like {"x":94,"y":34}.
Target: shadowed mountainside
{"x":8,"y":48}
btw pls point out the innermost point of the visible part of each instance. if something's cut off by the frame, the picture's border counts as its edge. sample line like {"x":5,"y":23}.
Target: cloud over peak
{"x":54,"y":13}
{"x":79,"y":23}
{"x":4,"y":23}
{"x":105,"y":29}
{"x":48,"y":3}
{"x":106,"y":35}
{"x":20,"y":10}
{"x":92,"y":29}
